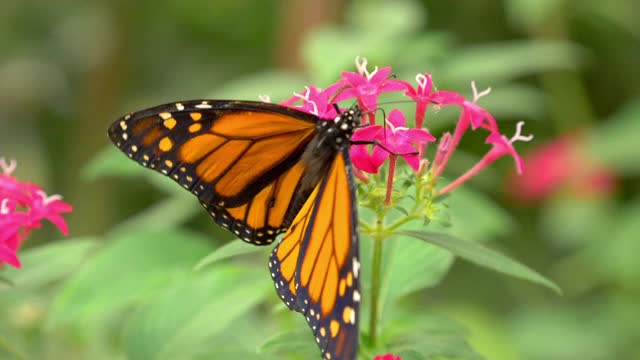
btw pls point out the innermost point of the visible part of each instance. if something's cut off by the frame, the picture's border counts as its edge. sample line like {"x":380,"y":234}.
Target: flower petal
{"x":396,"y":119}
{"x":381,"y":75}
{"x":354,"y":79}
{"x":367,"y":133}
{"x":378,"y":156}
{"x":362,"y":160}
{"x":413,"y":161}
{"x":445,"y":97}
{"x":419,"y":135}
{"x":9,"y":256}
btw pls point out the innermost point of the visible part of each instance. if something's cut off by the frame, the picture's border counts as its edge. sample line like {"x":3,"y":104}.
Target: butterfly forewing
{"x":241,"y":158}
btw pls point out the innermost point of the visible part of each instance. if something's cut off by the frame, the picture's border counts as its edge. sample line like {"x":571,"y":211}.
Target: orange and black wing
{"x":316,"y":266}
{"x":241,"y":158}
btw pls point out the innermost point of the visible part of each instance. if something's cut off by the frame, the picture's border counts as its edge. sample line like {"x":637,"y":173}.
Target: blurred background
{"x":567,"y":68}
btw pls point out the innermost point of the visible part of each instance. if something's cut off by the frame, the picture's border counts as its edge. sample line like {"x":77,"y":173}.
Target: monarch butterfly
{"x":262,"y":169}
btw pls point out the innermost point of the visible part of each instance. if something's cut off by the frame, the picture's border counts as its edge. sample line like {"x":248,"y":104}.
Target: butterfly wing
{"x":241,"y":158}
{"x":316,"y":265}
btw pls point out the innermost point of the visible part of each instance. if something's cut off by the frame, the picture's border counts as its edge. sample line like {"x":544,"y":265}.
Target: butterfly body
{"x":260,"y":170}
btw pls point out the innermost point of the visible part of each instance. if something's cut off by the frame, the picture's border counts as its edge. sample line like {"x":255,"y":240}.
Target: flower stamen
{"x":4,"y":209}
{"x":46,"y":200}
{"x":305,"y":98}
{"x":362,"y":68}
{"x":518,"y":137}
{"x":421,"y":80}
{"x":476,"y":95}
{"x":7,"y":169}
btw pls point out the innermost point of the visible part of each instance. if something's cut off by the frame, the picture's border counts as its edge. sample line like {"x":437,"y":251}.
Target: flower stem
{"x":375,"y":282}
{"x":392,"y":170}
{"x":484,"y":162}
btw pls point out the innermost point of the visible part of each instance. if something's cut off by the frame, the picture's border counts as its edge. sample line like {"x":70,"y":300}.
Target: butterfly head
{"x":337,"y":132}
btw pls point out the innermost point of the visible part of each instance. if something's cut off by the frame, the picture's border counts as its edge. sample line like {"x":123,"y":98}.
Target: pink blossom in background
{"x":22,"y":208}
{"x":387,"y":357}
{"x":562,"y":164}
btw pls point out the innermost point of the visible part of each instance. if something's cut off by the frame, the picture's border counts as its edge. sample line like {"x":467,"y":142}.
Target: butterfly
{"x":260,"y":170}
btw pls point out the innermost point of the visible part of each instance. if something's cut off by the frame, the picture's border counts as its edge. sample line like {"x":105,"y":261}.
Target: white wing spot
{"x":179,"y":106}
{"x":204,"y":105}
{"x":356,"y":267}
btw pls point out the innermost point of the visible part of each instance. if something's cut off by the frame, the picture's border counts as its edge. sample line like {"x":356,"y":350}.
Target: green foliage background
{"x":125,"y":284}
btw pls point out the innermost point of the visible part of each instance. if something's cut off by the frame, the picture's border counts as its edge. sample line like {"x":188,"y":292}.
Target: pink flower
{"x":387,"y":357}
{"x":475,"y":115}
{"x":562,"y":164}
{"x":471,"y":115}
{"x":367,"y":86}
{"x":395,"y":139}
{"x":423,"y":96}
{"x":391,"y":141}
{"x":316,"y":101}
{"x":501,"y":146}
{"x":22,"y":208}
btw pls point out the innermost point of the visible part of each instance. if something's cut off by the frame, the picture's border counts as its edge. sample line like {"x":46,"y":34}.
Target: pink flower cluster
{"x":394,"y":139}
{"x":22,"y":208}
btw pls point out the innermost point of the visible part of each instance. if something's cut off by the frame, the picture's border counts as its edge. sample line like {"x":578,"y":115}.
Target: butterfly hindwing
{"x":316,"y":265}
{"x":241,"y":158}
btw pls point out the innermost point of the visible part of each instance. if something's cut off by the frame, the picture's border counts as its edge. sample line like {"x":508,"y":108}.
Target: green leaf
{"x":529,"y":15}
{"x":473,"y":216}
{"x":164,"y":215}
{"x":616,"y":259}
{"x":431,"y":336}
{"x":400,"y":17}
{"x":44,"y":264}
{"x":184,"y":318}
{"x":231,"y":249}
{"x":6,"y":282}
{"x":483,"y":256}
{"x":111,"y":162}
{"x":279,"y":85}
{"x":129,"y":267}
{"x":490,"y":64}
{"x":615,"y":142}
{"x":590,"y":330}
{"x":294,"y":342}
{"x":231,"y":355}
{"x":410,"y":265}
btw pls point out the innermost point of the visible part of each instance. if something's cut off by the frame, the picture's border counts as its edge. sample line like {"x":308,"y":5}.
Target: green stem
{"x":402,"y":221}
{"x":11,"y":350}
{"x":375,"y":282}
